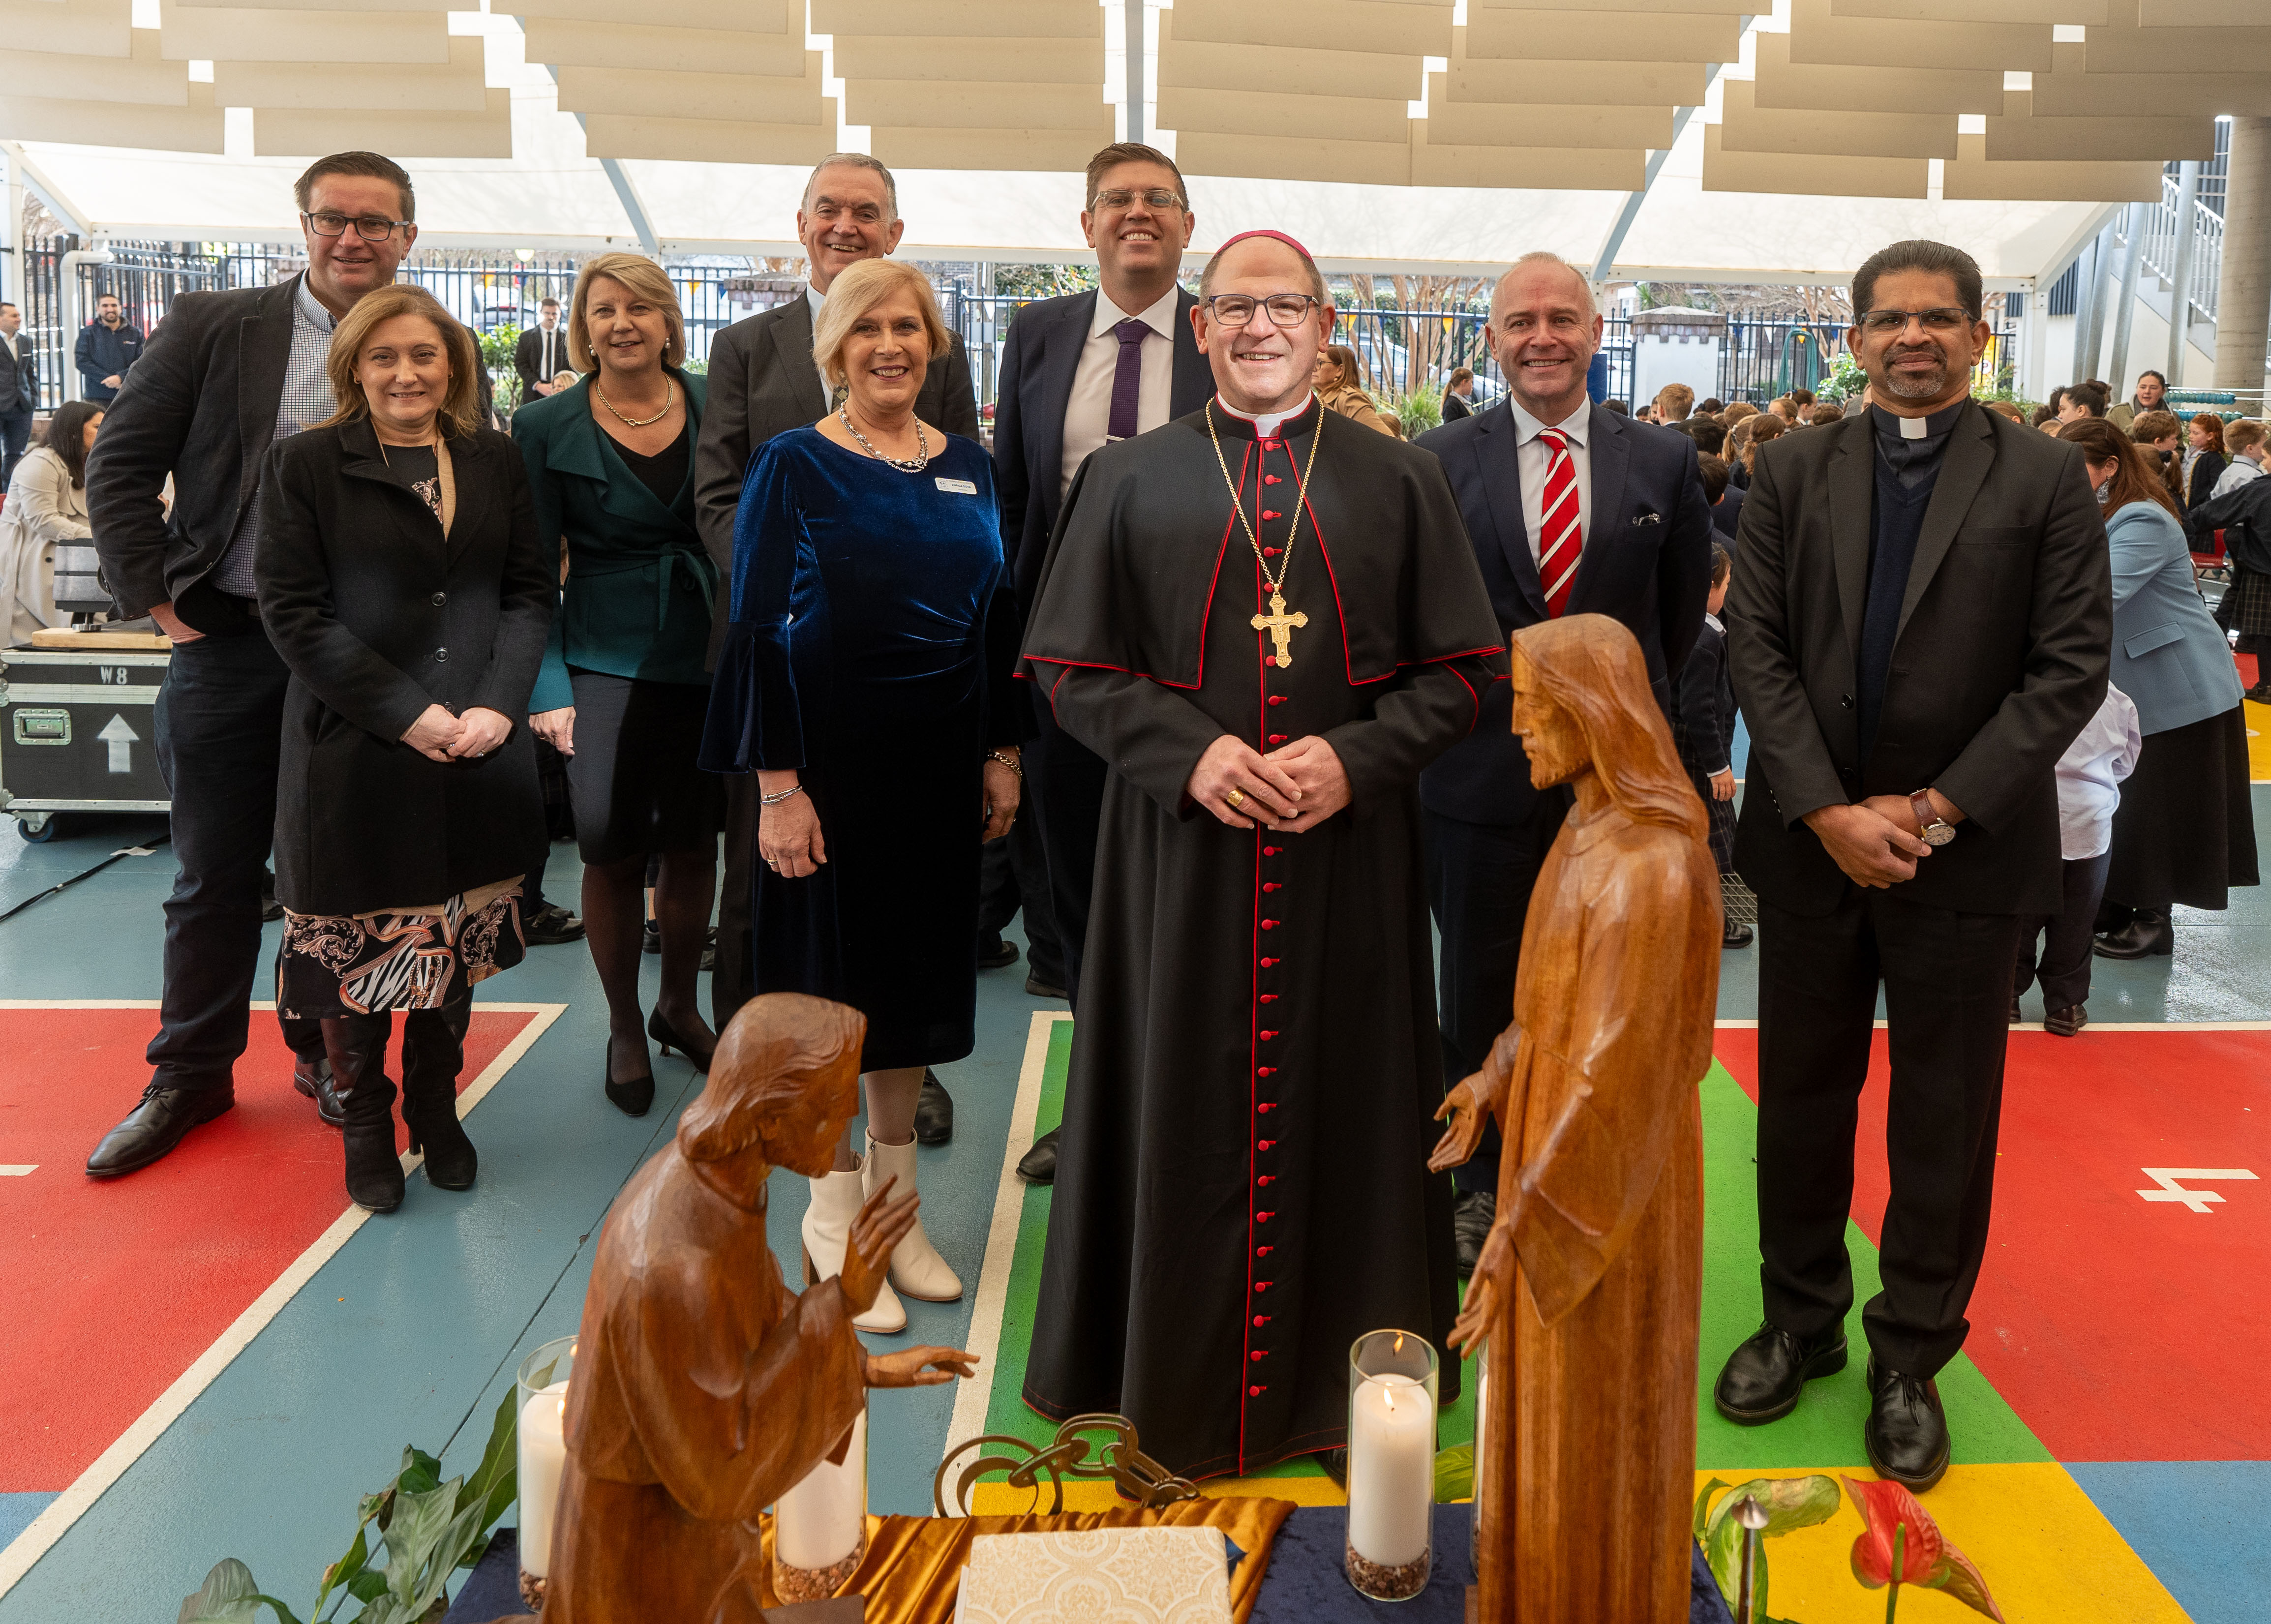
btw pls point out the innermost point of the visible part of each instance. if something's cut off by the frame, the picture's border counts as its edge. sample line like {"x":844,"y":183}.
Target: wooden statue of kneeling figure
{"x":705,"y":1387}
{"x":1590,"y":1284}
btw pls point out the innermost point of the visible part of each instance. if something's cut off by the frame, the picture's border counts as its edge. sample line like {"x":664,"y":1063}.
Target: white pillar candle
{"x":821,"y":1520}
{"x":543,"y":1458}
{"x":1391,"y":1470}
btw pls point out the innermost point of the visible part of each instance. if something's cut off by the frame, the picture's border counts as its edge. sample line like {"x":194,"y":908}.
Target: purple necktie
{"x":1127,"y":380}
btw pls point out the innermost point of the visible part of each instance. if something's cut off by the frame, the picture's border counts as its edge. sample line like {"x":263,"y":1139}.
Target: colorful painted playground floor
{"x":2109,"y":1420}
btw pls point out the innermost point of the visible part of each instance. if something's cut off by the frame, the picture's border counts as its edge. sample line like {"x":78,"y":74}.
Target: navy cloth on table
{"x":873,"y":632}
{"x":1305,"y":1584}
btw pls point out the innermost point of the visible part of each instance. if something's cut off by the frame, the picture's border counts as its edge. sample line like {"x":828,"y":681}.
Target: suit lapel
{"x":793,"y":342}
{"x":1062,"y":342}
{"x":1608,"y":452}
{"x":263,"y":356}
{"x":1962,"y":470}
{"x":1494,"y":452}
{"x":1194,"y":384}
{"x":1852,"y":499}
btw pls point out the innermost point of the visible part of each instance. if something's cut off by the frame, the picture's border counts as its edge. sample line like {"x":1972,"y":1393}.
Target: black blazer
{"x":201,"y":406}
{"x":2005,"y":633}
{"x":378,"y":617}
{"x":1038,"y":360}
{"x":762,"y":383}
{"x":1456,"y":406}
{"x":19,"y":376}
{"x":1647,"y":562}
{"x":528,"y":358}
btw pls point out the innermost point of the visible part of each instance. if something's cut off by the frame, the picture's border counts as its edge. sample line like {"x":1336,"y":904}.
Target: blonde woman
{"x":400,"y":580}
{"x":865,"y":679}
{"x":1340,"y":388}
{"x":624,"y":689}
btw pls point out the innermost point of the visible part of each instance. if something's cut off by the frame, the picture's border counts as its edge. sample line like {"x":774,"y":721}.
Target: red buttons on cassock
{"x":1261,"y":1285}
{"x":1279,"y":737}
{"x":1254,"y":1392}
{"x":1263,"y":1144}
{"x":1277,"y":699}
{"x":1269,"y":998}
{"x":1264,"y":1105}
{"x":1261,"y":1251}
{"x":1261,"y":1319}
{"x":1258,"y":1355}
{"x":1265,"y":1071}
{"x":1270,"y":551}
{"x":1265,"y":1178}
{"x":1270,"y":851}
{"x":1266,"y":1036}
{"x":1271,"y":479}
{"x":1269,"y":963}
{"x":1268,"y":924}
{"x":1268,"y":514}
{"x":1265,"y":1217}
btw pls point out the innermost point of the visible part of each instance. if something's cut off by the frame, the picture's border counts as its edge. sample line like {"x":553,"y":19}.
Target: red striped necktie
{"x":1560,"y":538}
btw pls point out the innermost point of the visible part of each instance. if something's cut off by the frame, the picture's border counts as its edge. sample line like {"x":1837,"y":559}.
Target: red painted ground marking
{"x":115,"y":1287}
{"x":2119,"y":1329}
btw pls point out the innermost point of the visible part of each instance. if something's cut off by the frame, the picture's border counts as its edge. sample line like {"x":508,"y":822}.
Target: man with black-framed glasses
{"x":1920,"y":624}
{"x":225,"y":377}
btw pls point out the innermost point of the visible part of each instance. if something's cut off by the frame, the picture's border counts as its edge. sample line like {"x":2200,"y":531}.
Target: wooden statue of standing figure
{"x":1590,"y":1284}
{"x":703,"y":1386}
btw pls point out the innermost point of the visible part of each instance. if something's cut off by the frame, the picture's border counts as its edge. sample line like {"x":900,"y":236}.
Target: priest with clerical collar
{"x":1266,"y":619}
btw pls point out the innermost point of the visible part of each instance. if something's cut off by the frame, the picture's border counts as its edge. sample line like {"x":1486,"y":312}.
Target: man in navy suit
{"x":1078,"y":372}
{"x":1572,"y":510}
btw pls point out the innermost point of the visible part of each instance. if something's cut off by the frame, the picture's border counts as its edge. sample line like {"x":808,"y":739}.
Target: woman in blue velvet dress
{"x":866,"y":680}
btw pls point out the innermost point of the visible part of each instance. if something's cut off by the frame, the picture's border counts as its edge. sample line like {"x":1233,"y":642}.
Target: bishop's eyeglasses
{"x":1236,"y":310}
{"x":1947,"y":318}
{"x":369,"y":227}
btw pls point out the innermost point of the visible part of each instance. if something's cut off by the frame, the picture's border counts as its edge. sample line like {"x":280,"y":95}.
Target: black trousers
{"x":1013,"y":873}
{"x":1064,"y":784}
{"x":15,"y":436}
{"x":1947,"y":1007}
{"x":1479,"y":877}
{"x":733,"y":979}
{"x":2064,"y":966}
{"x":220,"y":723}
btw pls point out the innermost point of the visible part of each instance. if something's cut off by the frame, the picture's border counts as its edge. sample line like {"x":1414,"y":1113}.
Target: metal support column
{"x":2180,"y":296}
{"x":2243,"y":315}
{"x":1136,"y":76}
{"x":2125,"y":315}
{"x":2101,"y":262}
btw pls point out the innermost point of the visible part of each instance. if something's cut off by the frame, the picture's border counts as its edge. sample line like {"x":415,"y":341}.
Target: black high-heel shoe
{"x":632,"y":1096}
{"x":667,"y":1036}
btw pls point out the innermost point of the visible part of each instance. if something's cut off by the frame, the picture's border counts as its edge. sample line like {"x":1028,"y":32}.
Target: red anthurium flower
{"x":1896,"y":1522}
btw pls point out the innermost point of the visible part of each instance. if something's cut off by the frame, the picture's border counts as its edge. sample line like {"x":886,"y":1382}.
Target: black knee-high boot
{"x":432,"y":1054}
{"x":356,"y":1044}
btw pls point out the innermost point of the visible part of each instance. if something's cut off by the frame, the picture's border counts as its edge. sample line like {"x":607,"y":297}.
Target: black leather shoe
{"x":1739,"y":936}
{"x":551,"y":926}
{"x":1472,"y":1214}
{"x":2148,"y":934}
{"x":2066,"y":1022}
{"x":1039,"y":1166}
{"x":1762,"y":1379}
{"x":1906,"y":1433}
{"x":311,"y":1075}
{"x":153,"y":1128}
{"x":934,"y":1111}
{"x":357,"y":1047}
{"x":650,"y":938}
{"x":997,"y":954}
{"x":270,"y":910}
{"x":667,"y":1035}
{"x":1038,"y":988}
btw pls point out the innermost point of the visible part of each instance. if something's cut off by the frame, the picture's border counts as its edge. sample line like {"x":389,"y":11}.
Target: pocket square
{"x":1648,"y":518}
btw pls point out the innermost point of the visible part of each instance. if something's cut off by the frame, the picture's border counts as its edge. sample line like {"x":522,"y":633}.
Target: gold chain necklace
{"x":669,"y":399}
{"x":1280,"y":625}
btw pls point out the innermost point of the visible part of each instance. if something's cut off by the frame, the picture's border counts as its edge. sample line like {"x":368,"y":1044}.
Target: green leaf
{"x":494,"y":1483}
{"x":1703,"y":1506}
{"x":347,"y":1569}
{"x":1789,"y":1503}
{"x":1455,"y":1473}
{"x":369,"y":1585}
{"x":229,"y":1596}
{"x":420,"y":1472}
{"x":1793,"y":1503}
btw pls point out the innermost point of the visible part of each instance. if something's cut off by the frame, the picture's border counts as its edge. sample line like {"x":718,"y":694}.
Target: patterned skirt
{"x":406,"y":958}
{"x":2246,"y":606}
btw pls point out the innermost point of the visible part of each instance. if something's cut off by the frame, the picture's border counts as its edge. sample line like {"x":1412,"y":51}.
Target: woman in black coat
{"x":401,"y":581}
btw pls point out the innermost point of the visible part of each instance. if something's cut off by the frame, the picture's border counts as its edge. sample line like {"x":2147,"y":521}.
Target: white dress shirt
{"x":2241,"y":470}
{"x":1087,"y":414}
{"x":551,"y":352}
{"x":2089,"y":775}
{"x":1533,"y":456}
{"x":813,"y":297}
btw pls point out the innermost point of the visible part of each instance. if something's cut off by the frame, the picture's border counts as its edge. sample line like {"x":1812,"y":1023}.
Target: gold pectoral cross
{"x":1280,"y":626}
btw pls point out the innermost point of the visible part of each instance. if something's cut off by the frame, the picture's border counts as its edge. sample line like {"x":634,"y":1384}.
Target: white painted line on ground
{"x":993,"y":1302}
{"x":74,"y":1502}
{"x":18,"y":1169}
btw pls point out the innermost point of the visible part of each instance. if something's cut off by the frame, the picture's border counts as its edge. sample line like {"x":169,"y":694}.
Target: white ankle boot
{"x":916,"y":1268}
{"x":835,"y":1202}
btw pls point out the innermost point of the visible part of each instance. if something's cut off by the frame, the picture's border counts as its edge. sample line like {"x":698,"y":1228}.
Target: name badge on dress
{"x":960,"y":487}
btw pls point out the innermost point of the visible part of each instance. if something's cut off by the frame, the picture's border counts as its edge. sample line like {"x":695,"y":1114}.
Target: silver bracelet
{"x":1010,"y":762}
{"x":773,"y":801}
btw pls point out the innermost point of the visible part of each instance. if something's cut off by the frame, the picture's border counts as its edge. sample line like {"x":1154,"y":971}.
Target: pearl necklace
{"x":904,"y":464}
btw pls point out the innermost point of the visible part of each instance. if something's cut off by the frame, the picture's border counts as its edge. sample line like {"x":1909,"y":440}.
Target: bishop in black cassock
{"x":1242,"y":1190}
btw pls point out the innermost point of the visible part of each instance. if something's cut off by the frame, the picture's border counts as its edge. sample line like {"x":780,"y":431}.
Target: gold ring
{"x":1235,"y":798}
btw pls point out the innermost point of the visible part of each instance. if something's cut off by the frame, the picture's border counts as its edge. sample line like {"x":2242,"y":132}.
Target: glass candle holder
{"x":820,"y":1527}
{"x":542,"y":1450}
{"x":1391,"y":1463}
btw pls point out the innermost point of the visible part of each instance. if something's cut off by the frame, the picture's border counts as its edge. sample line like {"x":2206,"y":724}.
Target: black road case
{"x":78,"y":733}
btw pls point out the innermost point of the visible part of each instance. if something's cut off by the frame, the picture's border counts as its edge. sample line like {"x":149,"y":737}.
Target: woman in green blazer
{"x":623,"y":692}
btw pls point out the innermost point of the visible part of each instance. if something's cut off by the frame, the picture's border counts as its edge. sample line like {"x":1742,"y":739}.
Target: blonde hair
{"x":859,"y":290}
{"x":643,"y":278}
{"x":461,"y":402}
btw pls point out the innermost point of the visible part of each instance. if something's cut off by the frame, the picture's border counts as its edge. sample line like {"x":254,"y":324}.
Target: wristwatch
{"x":1932,"y":829}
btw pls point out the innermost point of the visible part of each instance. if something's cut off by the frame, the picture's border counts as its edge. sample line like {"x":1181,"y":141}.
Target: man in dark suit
{"x":1078,"y":372}
{"x":763,"y":381}
{"x":1572,"y":510}
{"x":20,"y":390}
{"x":1920,"y":624}
{"x":540,"y":354}
{"x":108,"y":346}
{"x":227,"y":375}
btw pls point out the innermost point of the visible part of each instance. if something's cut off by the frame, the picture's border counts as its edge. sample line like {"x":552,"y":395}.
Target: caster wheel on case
{"x":38,"y":826}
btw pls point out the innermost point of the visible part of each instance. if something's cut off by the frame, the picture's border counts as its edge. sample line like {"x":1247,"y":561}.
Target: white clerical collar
{"x":1265,"y":424}
{"x":1159,"y":316}
{"x":311,"y":307}
{"x":1527,"y":427}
